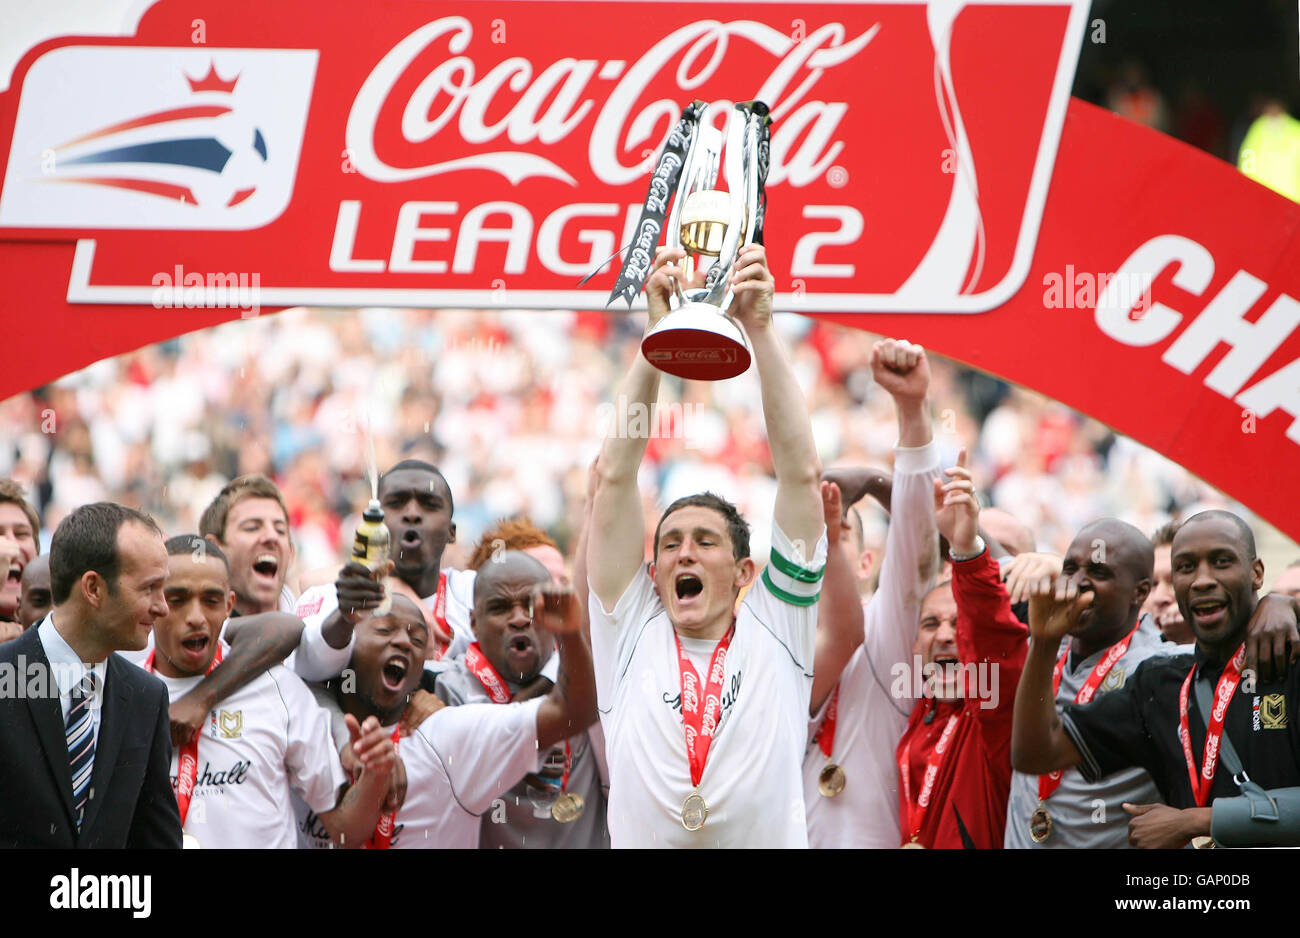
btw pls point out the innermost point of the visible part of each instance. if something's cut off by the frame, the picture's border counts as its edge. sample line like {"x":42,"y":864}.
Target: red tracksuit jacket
{"x":970,"y":791}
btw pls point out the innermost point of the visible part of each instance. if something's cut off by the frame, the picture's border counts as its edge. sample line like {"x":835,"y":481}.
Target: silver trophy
{"x":698,"y":339}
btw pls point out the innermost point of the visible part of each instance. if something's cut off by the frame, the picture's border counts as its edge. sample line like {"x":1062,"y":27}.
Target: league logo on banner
{"x":123,"y":137}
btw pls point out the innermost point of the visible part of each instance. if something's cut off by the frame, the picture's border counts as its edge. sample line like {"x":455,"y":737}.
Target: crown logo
{"x":212,"y":81}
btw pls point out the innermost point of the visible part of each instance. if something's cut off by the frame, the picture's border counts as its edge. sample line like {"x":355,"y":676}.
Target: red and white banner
{"x":931,"y":178}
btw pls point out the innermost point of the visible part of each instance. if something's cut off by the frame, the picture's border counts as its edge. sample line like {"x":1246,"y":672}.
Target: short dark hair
{"x":183,"y":544}
{"x":253,"y":485}
{"x":87,"y":540}
{"x":1243,"y":529}
{"x":423,"y":466}
{"x":737,"y":527}
{"x":1164,"y":536}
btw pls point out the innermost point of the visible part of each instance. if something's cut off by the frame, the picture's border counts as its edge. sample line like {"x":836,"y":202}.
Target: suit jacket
{"x":131,"y":804}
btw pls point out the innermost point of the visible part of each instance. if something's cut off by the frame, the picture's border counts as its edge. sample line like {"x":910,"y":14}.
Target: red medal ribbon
{"x":443,"y":632}
{"x":916,"y":813}
{"x":481,"y":668}
{"x":382,"y":838}
{"x":1050,"y":782}
{"x":568,"y":763}
{"x":826,"y":735}
{"x":1228,"y":681}
{"x":187,"y":760}
{"x":700,"y":723}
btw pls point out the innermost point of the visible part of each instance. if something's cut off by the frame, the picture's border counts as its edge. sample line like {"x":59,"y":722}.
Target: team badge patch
{"x":1114,"y":680}
{"x":1272,"y":712}
{"x":232,"y":724}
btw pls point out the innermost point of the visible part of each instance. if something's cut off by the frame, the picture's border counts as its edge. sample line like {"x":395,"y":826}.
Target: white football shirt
{"x":263,"y":741}
{"x":751,"y":782}
{"x":458,"y":762}
{"x":870,"y":717}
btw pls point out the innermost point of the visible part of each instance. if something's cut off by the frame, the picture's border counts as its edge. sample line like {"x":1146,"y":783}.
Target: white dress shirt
{"x":68,"y":670}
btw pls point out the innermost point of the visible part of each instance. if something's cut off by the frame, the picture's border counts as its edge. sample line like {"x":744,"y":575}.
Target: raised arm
{"x":839,"y":613}
{"x":580,"y":584}
{"x":1039,"y":742}
{"x":988,"y":635}
{"x":798,"y":510}
{"x":570,"y":707}
{"x":616,"y":542}
{"x":911,"y":559}
{"x":257,"y":643}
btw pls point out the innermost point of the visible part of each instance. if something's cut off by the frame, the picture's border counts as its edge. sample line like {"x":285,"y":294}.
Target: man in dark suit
{"x":83,"y":732}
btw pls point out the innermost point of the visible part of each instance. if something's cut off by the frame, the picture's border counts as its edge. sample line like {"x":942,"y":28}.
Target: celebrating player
{"x":233,"y":780}
{"x":704,"y":707}
{"x":1194,"y":740}
{"x":461,"y":759}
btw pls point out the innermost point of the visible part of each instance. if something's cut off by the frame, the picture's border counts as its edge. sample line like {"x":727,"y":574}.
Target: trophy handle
{"x":699,"y":172}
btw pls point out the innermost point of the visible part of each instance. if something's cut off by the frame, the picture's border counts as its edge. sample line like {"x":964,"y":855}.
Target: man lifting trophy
{"x":698,"y":339}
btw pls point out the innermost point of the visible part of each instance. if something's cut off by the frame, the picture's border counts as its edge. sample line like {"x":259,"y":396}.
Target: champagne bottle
{"x":371,"y":547}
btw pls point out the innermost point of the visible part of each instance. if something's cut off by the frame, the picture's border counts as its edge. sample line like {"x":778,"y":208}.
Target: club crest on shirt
{"x":232,"y":724}
{"x":1270,"y":712}
{"x":1114,"y":680}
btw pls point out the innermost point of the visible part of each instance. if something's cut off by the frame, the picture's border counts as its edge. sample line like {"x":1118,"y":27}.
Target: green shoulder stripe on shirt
{"x":793,"y":570}
{"x":785,"y":597}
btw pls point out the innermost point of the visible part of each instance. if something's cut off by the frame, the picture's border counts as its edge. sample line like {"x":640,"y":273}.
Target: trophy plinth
{"x":699,"y":342}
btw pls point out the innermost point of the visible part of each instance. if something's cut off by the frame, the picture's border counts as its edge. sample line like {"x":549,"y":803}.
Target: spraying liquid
{"x":372,"y":545}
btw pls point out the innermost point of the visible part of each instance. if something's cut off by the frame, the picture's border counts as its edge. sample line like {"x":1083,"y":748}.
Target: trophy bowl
{"x":697,"y":341}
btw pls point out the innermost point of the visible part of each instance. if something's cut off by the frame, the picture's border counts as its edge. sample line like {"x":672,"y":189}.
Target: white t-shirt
{"x":751,"y":781}
{"x":261,"y":742}
{"x":870,"y":719}
{"x":458,"y":762}
{"x":316,"y":605}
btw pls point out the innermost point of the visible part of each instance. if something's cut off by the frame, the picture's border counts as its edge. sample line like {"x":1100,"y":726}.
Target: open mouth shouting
{"x":394,"y":672}
{"x":266,"y":567}
{"x":14,"y":578}
{"x":520,"y":650}
{"x":688,"y":587}
{"x":196,"y":650}
{"x":409,"y":543}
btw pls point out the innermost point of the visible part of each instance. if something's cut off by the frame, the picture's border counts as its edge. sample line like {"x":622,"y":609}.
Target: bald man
{"x":1114,"y":560}
{"x":562,"y":803}
{"x":1188,"y":737}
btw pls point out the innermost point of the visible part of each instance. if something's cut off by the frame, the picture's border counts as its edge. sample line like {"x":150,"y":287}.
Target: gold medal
{"x":831,"y":780}
{"x":1203,"y":843}
{"x":568,"y":807}
{"x":189,"y":842}
{"x":913,"y":845}
{"x":694,"y":812}
{"x":1040,"y":824}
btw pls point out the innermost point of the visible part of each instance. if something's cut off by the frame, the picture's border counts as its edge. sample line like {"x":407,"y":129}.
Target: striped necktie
{"x":80,"y":733}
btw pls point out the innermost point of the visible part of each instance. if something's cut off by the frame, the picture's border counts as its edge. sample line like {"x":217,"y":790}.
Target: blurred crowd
{"x":510,"y":407}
